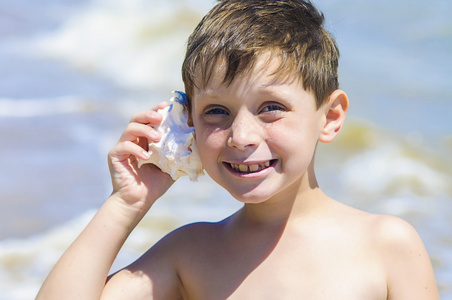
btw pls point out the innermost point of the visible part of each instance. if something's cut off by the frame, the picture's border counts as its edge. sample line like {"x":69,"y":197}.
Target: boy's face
{"x":257,"y":136}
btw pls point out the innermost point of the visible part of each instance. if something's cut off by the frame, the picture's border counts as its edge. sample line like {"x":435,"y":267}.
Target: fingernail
{"x":146,"y":155}
{"x":156,"y":135}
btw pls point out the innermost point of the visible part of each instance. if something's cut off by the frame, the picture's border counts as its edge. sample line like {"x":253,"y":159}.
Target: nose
{"x":246,"y":132}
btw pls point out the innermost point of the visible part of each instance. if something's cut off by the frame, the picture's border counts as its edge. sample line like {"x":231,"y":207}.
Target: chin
{"x":250,"y":197}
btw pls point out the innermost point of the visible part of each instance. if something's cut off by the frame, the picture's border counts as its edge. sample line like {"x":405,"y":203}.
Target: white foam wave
{"x":139,"y":44}
{"x":386,"y":167}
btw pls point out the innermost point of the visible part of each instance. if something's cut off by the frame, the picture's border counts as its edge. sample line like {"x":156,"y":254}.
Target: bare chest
{"x":290,"y":282}
{"x":295,"y":272}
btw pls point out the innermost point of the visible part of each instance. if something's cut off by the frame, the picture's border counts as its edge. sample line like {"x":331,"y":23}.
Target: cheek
{"x":292,"y":138}
{"x":210,"y":146}
{"x":210,"y":141}
{"x":281,"y":134}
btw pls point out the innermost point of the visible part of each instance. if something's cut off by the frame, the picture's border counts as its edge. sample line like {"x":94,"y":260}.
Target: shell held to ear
{"x":176,"y":153}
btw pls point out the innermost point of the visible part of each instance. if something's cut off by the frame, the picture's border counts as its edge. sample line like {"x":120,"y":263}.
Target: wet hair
{"x":235,"y":32}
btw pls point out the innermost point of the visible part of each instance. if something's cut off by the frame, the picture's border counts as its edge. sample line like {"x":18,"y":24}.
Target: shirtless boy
{"x":261,"y":79}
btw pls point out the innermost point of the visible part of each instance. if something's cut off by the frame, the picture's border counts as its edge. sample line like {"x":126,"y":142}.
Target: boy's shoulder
{"x":397,"y":240}
{"x":401,"y":255}
{"x":157,"y":272}
{"x":394,"y":241}
{"x":389,"y":230}
{"x":190,"y":239}
{"x":381,"y":229}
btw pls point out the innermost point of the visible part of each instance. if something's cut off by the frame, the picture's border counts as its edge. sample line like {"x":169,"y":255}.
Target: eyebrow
{"x":271,"y":85}
{"x":208,"y":93}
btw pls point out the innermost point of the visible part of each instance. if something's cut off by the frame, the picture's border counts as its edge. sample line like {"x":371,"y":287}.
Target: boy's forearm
{"x":82,"y":270}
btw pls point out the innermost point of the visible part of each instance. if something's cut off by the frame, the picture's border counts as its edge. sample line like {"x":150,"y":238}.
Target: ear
{"x":335,"y":110}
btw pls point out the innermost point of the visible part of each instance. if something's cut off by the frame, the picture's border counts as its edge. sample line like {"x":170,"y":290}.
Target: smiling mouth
{"x":254,"y":168}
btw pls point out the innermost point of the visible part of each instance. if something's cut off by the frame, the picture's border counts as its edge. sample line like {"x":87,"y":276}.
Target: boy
{"x":261,"y":80}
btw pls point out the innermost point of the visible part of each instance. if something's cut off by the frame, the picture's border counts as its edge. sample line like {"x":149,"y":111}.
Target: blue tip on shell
{"x":181,"y":97}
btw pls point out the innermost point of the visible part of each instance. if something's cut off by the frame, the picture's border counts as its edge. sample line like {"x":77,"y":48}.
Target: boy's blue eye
{"x":216,"y":111}
{"x":273,"y":107}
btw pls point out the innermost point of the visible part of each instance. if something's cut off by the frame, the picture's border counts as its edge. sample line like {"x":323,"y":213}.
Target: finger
{"x":160,"y":106}
{"x":134,"y":131}
{"x":147,"y":117}
{"x":124,"y":150}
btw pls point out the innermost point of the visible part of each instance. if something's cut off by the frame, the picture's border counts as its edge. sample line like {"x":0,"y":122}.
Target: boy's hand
{"x":138,"y":188}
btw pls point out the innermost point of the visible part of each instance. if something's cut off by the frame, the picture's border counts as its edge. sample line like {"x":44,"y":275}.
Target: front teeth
{"x":253,"y":168}
{"x":243,"y":168}
{"x":250,"y":168}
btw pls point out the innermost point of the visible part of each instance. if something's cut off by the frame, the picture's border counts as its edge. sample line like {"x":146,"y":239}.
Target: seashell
{"x":176,"y":153}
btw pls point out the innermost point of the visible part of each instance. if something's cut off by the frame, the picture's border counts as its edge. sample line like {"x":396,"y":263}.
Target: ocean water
{"x":73,"y":73}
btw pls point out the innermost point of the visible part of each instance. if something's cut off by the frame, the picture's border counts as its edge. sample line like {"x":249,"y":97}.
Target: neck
{"x":298,"y":203}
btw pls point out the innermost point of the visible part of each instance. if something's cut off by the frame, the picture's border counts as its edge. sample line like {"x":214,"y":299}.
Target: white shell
{"x":176,"y":153}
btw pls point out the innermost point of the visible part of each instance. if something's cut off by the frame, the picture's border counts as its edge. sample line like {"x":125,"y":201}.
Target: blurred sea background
{"x":72,"y":73}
